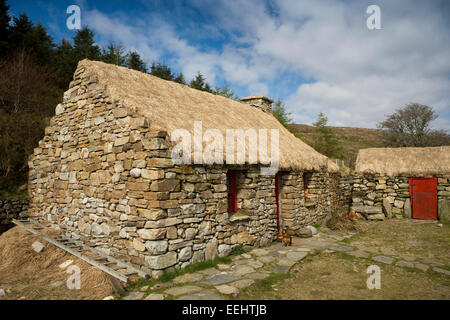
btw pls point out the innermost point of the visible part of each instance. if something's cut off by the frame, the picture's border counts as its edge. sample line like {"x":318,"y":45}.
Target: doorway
{"x":423,"y":192}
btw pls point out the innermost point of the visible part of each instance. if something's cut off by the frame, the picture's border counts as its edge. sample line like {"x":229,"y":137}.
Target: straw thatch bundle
{"x":404,"y":161}
{"x":168,"y":106}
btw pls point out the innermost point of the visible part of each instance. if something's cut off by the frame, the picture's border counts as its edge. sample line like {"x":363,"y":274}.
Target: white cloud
{"x":360,"y":75}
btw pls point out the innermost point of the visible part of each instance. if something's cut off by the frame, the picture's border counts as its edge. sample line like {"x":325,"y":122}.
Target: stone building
{"x":105,"y":172}
{"x":413,"y":182}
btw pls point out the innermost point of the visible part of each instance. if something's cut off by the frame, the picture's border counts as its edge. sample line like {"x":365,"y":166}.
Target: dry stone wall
{"x":12,"y":209}
{"x":340,"y":190}
{"x":300,"y":207}
{"x":103,"y":175}
{"x":376,"y":197}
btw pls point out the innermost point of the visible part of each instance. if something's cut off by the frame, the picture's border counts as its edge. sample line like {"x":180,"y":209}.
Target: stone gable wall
{"x":103,"y":175}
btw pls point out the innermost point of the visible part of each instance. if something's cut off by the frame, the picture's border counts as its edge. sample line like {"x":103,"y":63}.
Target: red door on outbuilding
{"x":423,"y":193}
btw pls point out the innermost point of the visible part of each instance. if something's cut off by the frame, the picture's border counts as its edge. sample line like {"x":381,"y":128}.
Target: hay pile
{"x":340,"y":222}
{"x":26,"y":274}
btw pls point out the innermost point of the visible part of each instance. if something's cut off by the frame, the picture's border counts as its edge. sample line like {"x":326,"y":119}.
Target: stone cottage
{"x":413,"y":182}
{"x":105,"y":172}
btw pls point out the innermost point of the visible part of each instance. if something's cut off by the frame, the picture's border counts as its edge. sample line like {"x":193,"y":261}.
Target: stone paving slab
{"x":266,"y":259}
{"x":133,"y":296}
{"x":255,"y":264}
{"x":422,"y":266}
{"x":154,"y":296}
{"x":242,"y":284}
{"x":368,"y":249}
{"x":314,"y":244}
{"x":241,"y":262}
{"x":443,"y":271}
{"x":275,"y":254}
{"x":257,"y":275}
{"x":387,"y":252}
{"x":176,"y":291}
{"x":340,"y":248}
{"x":189,"y":277}
{"x":220,"y":279}
{"x":407,"y":264}
{"x":241,"y":270}
{"x":228,"y":290}
{"x":407,"y":257}
{"x":202,"y":295}
{"x":259,"y":252}
{"x":224,"y":267}
{"x":284,"y":262}
{"x":432,"y":262}
{"x":280,"y":270}
{"x":358,"y":254}
{"x":383,"y":259}
{"x":296,"y":256}
{"x":210,"y":271}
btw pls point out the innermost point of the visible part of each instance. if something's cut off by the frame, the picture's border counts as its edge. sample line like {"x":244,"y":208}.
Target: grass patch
{"x":445,"y":267}
{"x":317,"y":225}
{"x":237,"y":250}
{"x":267,"y":283}
{"x":13,"y":193}
{"x":169,"y":276}
{"x":345,"y":256}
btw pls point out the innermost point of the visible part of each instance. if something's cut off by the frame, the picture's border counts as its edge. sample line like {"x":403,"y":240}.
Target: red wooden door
{"x":423,"y":193}
{"x":277,"y":200}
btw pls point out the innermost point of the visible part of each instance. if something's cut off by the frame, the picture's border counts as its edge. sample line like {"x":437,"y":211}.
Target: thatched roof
{"x":168,"y":106}
{"x":404,"y":161}
{"x":332,"y":167}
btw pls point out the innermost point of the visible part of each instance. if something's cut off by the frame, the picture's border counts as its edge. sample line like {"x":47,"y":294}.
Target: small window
{"x":232,"y":191}
{"x":307,"y":176}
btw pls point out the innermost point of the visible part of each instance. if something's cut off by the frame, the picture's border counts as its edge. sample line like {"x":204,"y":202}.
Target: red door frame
{"x":414,"y":182}
{"x":277,"y":200}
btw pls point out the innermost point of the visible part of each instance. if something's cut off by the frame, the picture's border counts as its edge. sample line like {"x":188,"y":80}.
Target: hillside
{"x":352,"y":139}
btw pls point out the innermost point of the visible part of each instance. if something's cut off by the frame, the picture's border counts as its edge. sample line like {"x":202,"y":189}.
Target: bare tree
{"x":27,"y":100}
{"x":410,"y":127}
{"x":24,"y":85}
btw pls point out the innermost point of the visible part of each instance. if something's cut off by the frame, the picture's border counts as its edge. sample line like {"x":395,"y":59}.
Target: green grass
{"x":267,"y":283}
{"x":239,"y":250}
{"x":317,"y":225}
{"x":13,"y":194}
{"x":169,"y":276}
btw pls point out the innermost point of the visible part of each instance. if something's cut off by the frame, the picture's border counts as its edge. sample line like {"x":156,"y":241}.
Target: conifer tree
{"x":135,"y":62}
{"x":84,"y":45}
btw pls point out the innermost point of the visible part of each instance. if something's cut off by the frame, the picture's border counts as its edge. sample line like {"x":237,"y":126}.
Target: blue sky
{"x":318,"y":56}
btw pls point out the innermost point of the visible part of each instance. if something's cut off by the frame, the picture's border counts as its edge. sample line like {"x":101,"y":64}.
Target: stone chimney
{"x":260,"y":102}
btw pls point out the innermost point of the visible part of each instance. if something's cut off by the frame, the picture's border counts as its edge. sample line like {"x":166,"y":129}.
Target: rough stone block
{"x":163,"y":261}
